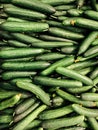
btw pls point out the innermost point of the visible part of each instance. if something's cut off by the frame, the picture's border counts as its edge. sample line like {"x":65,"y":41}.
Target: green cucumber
{"x":85,"y":111}
{"x":46,"y":81}
{"x":48,"y":44}
{"x":91,"y":14}
{"x":7,"y":94}
{"x":57,"y":2}
{"x":87,"y":42}
{"x":74,"y":99}
{"x":33,"y":124}
{"x":89,"y":96}
{"x":53,"y":38}
{"x":20,"y":52}
{"x":79,"y":90}
{"x":75,"y":12}
{"x":74,"y":75}
{"x":25,"y":66}
{"x":5,"y":118}
{"x":24,"y":38}
{"x":24,"y":26}
{"x":62,"y":62}
{"x":38,"y":91}
{"x":17,"y":74}
{"x":23,"y":13}
{"x":21,"y":116}
{"x":55,"y":113}
{"x":65,"y":33}
{"x":62,"y":122}
{"x":15,"y":43}
{"x":93,"y":123}
{"x":35,"y":5}
{"x":25,"y":122}
{"x":10,"y":102}
{"x":50,"y":56}
{"x":71,"y":49}
{"x":24,"y":105}
{"x":64,"y":7}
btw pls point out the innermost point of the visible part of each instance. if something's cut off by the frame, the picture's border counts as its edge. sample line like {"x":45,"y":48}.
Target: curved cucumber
{"x":36,"y":90}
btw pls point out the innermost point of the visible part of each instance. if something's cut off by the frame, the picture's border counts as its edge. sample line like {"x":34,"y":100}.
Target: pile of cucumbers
{"x":48,"y":65}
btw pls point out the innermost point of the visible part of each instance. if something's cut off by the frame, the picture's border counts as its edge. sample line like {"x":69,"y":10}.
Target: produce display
{"x":48,"y":65}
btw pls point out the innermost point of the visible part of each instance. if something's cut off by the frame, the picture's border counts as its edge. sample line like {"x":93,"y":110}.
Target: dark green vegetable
{"x":24,"y":26}
{"x":35,"y":5}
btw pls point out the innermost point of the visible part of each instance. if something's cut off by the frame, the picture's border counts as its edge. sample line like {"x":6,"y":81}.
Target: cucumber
{"x":64,"y":7}
{"x":74,"y":99}
{"x":7,"y":94}
{"x":46,"y":81}
{"x":19,"y":59}
{"x":5,"y":118}
{"x":59,"y":13}
{"x":24,"y":26}
{"x":86,"y":23}
{"x":50,"y":56}
{"x":95,"y":42}
{"x":47,"y":44}
{"x":83,"y":64}
{"x":94,"y":73}
{"x":75,"y":12}
{"x":15,"y":43}
{"x":16,"y":74}
{"x":13,"y":81}
{"x":57,"y":2}
{"x":65,"y":33}
{"x":40,"y":93}
{"x":92,"y":51}
{"x":33,"y":124}
{"x":21,"y":116}
{"x":62,"y":122}
{"x":24,"y":105}
{"x":85,"y":111}
{"x":63,"y":62}
{"x":24,"y":38}
{"x":25,"y":122}
{"x":35,"y":5}
{"x":89,"y":96}
{"x":74,"y":75}
{"x":25,"y":66}
{"x":79,"y":90}
{"x":55,"y":113}
{"x":10,"y":102}
{"x":53,"y":38}
{"x":91,"y":14}
{"x":71,"y":49}
{"x":87,"y":42}
{"x":93,"y":122}
{"x":23,"y":13}
{"x":20,"y":52}
{"x":11,"y":19}
{"x":57,"y":101}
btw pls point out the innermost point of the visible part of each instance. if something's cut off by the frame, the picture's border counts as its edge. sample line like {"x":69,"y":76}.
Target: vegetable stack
{"x":48,"y":65}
